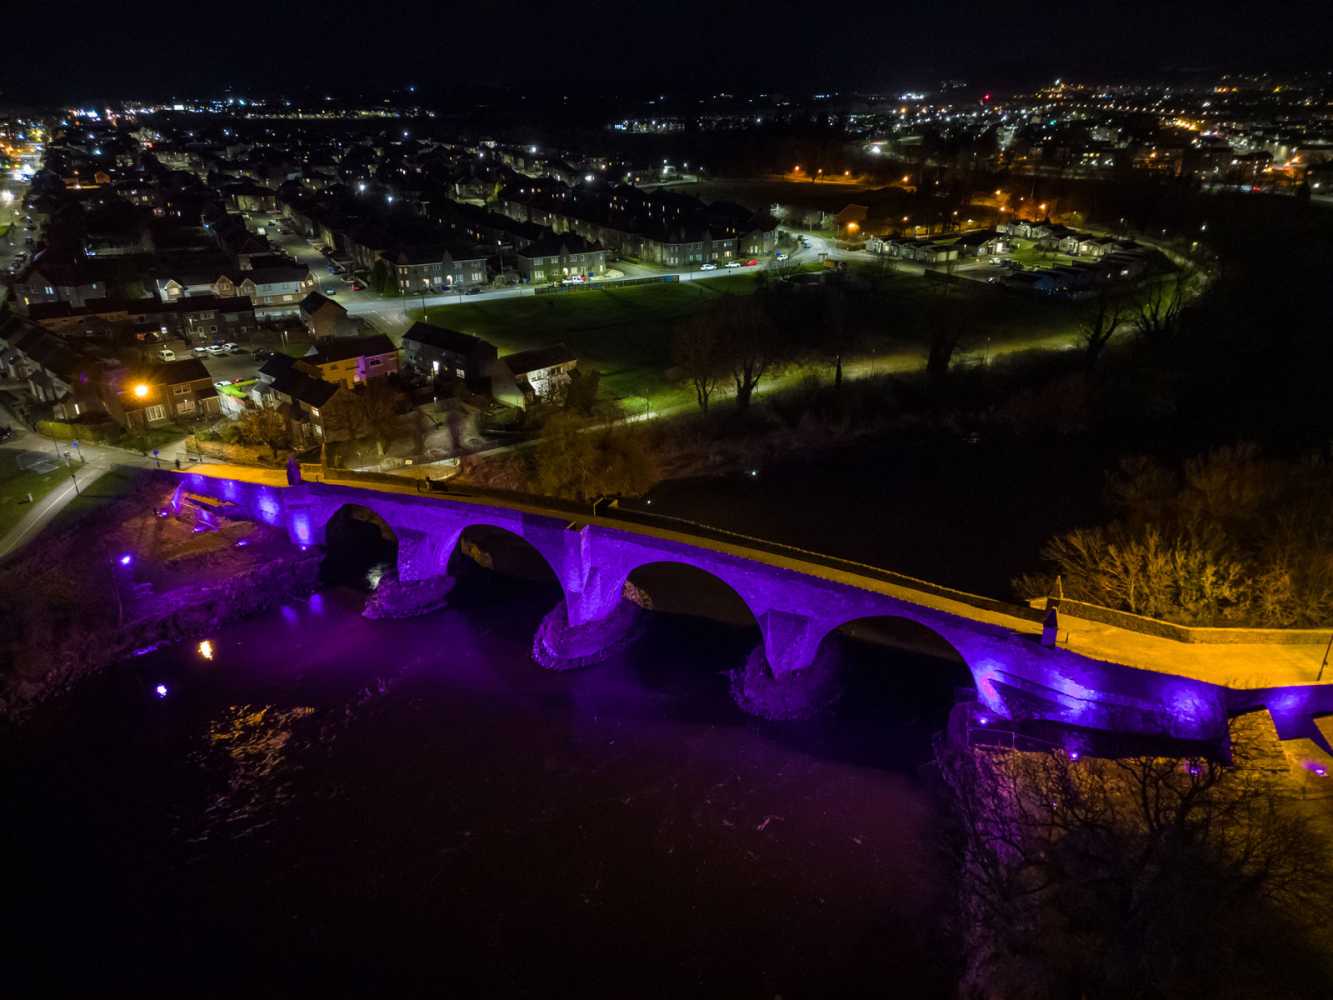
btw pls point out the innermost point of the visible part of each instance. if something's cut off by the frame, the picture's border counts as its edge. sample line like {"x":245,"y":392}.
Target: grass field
{"x":16,"y":484}
{"x":625,"y":333}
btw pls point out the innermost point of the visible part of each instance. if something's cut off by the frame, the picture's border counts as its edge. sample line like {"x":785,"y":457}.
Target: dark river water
{"x":339,"y":806}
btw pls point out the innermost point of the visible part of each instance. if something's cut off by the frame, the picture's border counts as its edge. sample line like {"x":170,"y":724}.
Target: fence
{"x":655,"y":279}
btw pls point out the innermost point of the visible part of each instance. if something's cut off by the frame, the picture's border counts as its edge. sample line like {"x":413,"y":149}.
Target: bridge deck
{"x":1234,"y":664}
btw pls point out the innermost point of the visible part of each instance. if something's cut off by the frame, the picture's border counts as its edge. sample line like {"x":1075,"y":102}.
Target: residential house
{"x":555,"y":258}
{"x":176,"y":390}
{"x":55,"y":277}
{"x":538,"y":374}
{"x":324,"y":317}
{"x":443,"y":353}
{"x":349,"y":360}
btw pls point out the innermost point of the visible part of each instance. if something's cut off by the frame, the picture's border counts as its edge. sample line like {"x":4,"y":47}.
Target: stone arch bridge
{"x":1120,"y":675}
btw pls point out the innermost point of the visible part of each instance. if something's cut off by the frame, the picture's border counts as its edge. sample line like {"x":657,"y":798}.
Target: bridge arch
{"x":910,"y":639}
{"x":360,"y":545}
{"x":681,"y":586}
{"x":493,"y":545}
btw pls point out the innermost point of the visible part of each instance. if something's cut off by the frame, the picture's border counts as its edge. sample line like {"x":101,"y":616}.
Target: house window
{"x":185,"y":405}
{"x":155,"y":413}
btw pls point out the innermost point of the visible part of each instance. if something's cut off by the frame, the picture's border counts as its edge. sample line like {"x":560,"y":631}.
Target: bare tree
{"x":1159,"y":310}
{"x":1139,"y":876}
{"x":1099,"y":325}
{"x":697,"y":349}
{"x":752,"y":346}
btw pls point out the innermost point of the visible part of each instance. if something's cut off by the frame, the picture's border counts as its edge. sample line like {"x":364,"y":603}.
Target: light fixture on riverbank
{"x":160,"y":690}
{"x":205,"y":648}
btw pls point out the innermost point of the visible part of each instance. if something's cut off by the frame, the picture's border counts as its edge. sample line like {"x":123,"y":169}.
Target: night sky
{"x":155,"y":49}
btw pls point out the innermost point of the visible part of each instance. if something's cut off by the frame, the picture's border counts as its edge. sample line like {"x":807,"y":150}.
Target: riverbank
{"x":128,"y":578}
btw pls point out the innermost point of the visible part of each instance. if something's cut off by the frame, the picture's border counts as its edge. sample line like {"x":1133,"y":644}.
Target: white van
{"x":167,"y":354}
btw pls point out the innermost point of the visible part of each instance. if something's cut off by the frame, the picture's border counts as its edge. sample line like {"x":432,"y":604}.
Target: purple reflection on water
{"x":317,"y":603}
{"x":289,"y":614}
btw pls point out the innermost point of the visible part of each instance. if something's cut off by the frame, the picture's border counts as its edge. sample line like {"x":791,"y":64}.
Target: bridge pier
{"x":563,"y":642}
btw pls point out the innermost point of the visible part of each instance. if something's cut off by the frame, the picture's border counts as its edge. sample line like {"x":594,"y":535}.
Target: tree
{"x":379,"y":403}
{"x":264,"y":426}
{"x":1159,"y":311}
{"x":752,"y":346}
{"x":581,"y":461}
{"x":382,"y":278}
{"x":1099,"y":325}
{"x":947,"y":318}
{"x":697,"y":350}
{"x":1138,"y":876}
{"x":837,"y":338}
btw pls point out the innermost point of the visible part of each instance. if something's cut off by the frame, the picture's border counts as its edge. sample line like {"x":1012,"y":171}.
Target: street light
{"x":141,"y":390}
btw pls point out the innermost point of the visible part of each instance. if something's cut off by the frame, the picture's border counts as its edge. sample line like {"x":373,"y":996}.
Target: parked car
{"x":472,"y":291}
{"x":707,"y":267}
{"x":215,"y":349}
{"x":231,"y":347}
{"x":358,"y":287}
{"x":6,"y":433}
{"x":166,"y":354}
{"x":199,"y":351}
{"x":781,"y":255}
{"x":262,"y":354}
{"x":733,"y":263}
{"x":330,"y":290}
{"x":752,"y":263}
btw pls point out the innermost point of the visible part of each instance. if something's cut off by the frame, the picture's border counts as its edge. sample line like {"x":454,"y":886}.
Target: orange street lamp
{"x":141,"y":390}
{"x":852,"y":227}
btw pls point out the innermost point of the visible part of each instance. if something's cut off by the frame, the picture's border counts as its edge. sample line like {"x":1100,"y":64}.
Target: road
{"x":89,"y":461}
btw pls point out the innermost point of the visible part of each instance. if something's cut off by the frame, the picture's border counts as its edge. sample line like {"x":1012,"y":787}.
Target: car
{"x":166,"y":354}
{"x":330,"y":290}
{"x":358,"y":287}
{"x":752,"y":263}
{"x":262,"y":354}
{"x":237,"y":349}
{"x":6,"y":433}
{"x":201,"y":350}
{"x":231,"y":347}
{"x":707,"y":267}
{"x":472,"y":291}
{"x":215,"y":350}
{"x":733,"y":263}
{"x":781,"y":255}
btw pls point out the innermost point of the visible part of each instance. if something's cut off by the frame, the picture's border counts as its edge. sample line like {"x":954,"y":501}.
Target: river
{"x":326,"y":803}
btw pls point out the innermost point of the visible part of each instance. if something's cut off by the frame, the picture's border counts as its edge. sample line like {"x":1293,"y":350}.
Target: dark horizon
{"x":445,"y":51}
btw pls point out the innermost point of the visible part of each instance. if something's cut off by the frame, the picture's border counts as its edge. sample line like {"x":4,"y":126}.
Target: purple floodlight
{"x":126,"y":559}
{"x":983,"y":720}
{"x":160,"y":690}
{"x":1074,"y":755}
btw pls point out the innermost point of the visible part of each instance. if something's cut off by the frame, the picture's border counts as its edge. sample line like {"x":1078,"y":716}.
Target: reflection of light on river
{"x":206,"y":649}
{"x":289,"y":614}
